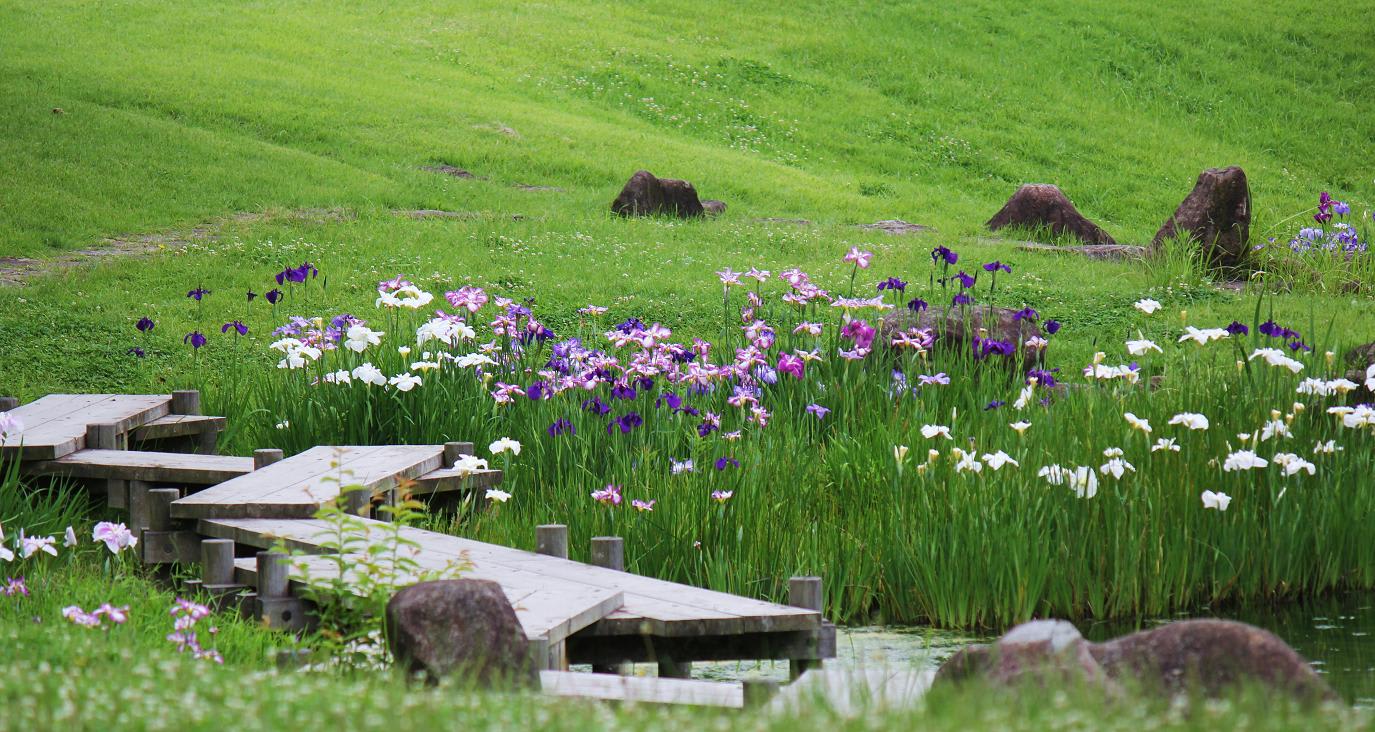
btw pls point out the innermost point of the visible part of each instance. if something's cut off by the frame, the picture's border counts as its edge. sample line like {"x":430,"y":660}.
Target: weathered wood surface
{"x":298,"y":486}
{"x":177,"y":425}
{"x":643,"y":689}
{"x":546,"y":608}
{"x":446,"y":480}
{"x":55,"y":425}
{"x":652,"y":607}
{"x":150,"y":467}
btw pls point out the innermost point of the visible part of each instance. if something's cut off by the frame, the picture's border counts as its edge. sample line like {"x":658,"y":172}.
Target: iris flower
{"x":1052,"y":327}
{"x":405,"y":382}
{"x":819,"y":411}
{"x":917,"y":305}
{"x":1190,"y":420}
{"x":723,"y":462}
{"x":1219,"y":501}
{"x":608,"y":496}
{"x":721,"y":496}
{"x":678,"y":467}
{"x":499,"y":496}
{"x":274,"y":296}
{"x":642,"y":506}
{"x":942,"y":253}
{"x":561,"y":427}
{"x":145,"y":324}
{"x":504,"y":444}
{"x":995,"y":266}
{"x":858,"y":257}
{"x":236,"y":325}
{"x":932,"y":431}
{"x":195,"y":338}
{"x":198,"y":293}
{"x":115,"y":536}
{"x":1147,"y":305}
{"x":892,"y":283}
{"x":1243,"y":460}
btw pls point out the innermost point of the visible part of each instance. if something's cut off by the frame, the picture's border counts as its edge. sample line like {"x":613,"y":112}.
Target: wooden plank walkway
{"x":298,"y":486}
{"x":643,"y":689}
{"x":55,"y":425}
{"x":178,"y":425}
{"x":150,"y":467}
{"x":547,"y":609}
{"x":651,"y":606}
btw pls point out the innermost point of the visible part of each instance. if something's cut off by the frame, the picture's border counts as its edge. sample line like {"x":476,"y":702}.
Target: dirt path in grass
{"x":18,"y":271}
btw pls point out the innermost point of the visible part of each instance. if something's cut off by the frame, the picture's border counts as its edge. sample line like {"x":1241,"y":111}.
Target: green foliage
{"x":370,"y":562}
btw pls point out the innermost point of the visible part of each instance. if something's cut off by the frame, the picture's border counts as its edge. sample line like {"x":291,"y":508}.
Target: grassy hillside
{"x":176,"y":113}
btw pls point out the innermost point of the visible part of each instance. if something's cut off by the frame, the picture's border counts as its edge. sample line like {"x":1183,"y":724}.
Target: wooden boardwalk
{"x":573,"y":612}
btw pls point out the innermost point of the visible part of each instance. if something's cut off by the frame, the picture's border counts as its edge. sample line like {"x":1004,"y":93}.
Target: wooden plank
{"x":150,"y":467}
{"x":643,"y":689}
{"x":55,"y":425}
{"x":447,"y":480}
{"x":177,"y":425}
{"x":652,"y":607}
{"x":545,"y":609}
{"x":296,"y":487}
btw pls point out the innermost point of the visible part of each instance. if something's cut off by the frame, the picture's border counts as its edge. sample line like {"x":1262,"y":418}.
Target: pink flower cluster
{"x":96,"y":618}
{"x":187,"y":614}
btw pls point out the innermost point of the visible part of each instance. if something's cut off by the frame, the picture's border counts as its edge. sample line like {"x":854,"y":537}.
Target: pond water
{"x":1336,"y":634}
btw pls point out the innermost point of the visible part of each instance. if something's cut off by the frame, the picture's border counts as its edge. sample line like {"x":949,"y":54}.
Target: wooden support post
{"x":117,"y":494}
{"x":159,"y":511}
{"x":758,"y":692}
{"x":103,"y":436}
{"x":8,"y":402}
{"x":805,"y":592}
{"x":539,"y":654}
{"x":273,"y":576}
{"x":137,"y":503}
{"x":186,"y":402}
{"x":217,"y":563}
{"x":671,"y":669}
{"x":609,"y":552}
{"x":552,"y":540}
{"x":274,"y":604}
{"x":266,"y":456}
{"x":358,"y":502}
{"x":455,"y":450}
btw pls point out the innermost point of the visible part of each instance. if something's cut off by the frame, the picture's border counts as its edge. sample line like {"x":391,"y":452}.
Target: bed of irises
{"x":840,"y":428}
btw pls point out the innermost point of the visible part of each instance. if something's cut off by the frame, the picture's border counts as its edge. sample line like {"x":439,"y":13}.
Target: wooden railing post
{"x":805,"y":592}
{"x":217,"y":563}
{"x":103,"y":436}
{"x":8,"y":402}
{"x":266,"y":456}
{"x":274,"y":604}
{"x":552,"y":540}
{"x":186,"y":402}
{"x":455,"y":450}
{"x":609,"y":552}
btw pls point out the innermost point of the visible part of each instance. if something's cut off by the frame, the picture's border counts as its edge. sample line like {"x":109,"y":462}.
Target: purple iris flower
{"x":987,"y":346}
{"x":297,"y":274}
{"x":917,"y":305}
{"x":144,"y":325}
{"x":236,"y":325}
{"x":273,"y":296}
{"x":622,"y":391}
{"x":561,"y":427}
{"x":195,"y":338}
{"x":766,"y":374}
{"x":136,"y":352}
{"x":995,"y":266}
{"x":673,"y":401}
{"x":723,"y":462}
{"x":1025,"y":314}
{"x":251,"y":295}
{"x":994,"y":405}
{"x":198,"y":293}
{"x":818,"y":410}
{"x":943,"y":253}
{"x":1275,"y":330}
{"x":1341,"y":208}
{"x":1052,"y":327}
{"x":630,"y":326}
{"x":892,"y":283}
{"x":626,"y":423}
{"x":595,"y":406}
{"x":539,"y":390}
{"x":645,"y":383}
{"x":1299,"y":346}
{"x":1238,"y":328}
{"x":1043,"y":377}
{"x":966,"y":280}
{"x":962,"y":299}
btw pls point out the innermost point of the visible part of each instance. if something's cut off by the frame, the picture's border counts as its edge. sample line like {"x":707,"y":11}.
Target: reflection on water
{"x":1336,"y":634}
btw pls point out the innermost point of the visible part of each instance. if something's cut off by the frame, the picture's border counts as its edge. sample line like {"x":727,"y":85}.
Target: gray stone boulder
{"x":1191,"y":656}
{"x":464,"y":627}
{"x":1042,"y":652}
{"x":647,"y":195}
{"x":1216,"y":215}
{"x":1358,"y":362}
{"x":1043,"y":207}
{"x":713,"y":207}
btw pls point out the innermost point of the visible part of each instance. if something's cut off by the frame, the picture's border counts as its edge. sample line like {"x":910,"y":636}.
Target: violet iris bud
{"x":145,"y":324}
{"x":561,"y":427}
{"x":917,"y":305}
{"x":1238,"y":328}
{"x":274,"y":296}
{"x":198,"y":293}
{"x":136,"y":352}
{"x":892,"y":283}
{"x":1052,"y":327}
{"x":251,"y":295}
{"x":723,"y":462}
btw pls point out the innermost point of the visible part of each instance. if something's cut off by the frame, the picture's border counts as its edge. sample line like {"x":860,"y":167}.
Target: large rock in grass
{"x":1216,"y":215}
{"x":464,"y":627}
{"x":1042,"y":652}
{"x":647,"y":195}
{"x":1043,"y":207}
{"x":968,"y":329}
{"x":1359,"y":363}
{"x":1192,"y":656}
